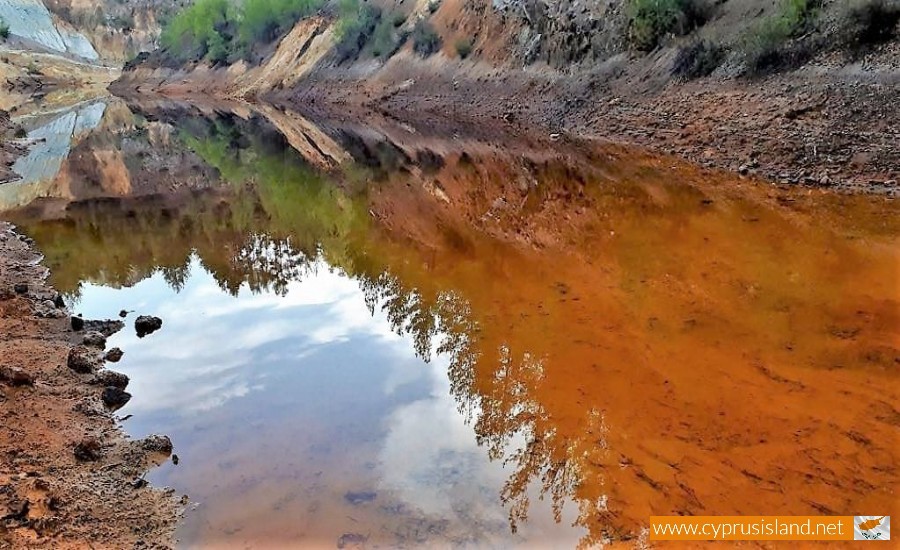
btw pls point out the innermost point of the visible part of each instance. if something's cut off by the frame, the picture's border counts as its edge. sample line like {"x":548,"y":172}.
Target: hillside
{"x":798,"y":91}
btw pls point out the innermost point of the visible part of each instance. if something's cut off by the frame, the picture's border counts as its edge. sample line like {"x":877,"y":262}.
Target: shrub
{"x":264,"y":20}
{"x":384,"y":42}
{"x":868,"y":22}
{"x":399,"y":19}
{"x":766,"y":45}
{"x":190,"y":33}
{"x":4,"y":30}
{"x":356,"y":23}
{"x":220,"y":30}
{"x":425,"y":40}
{"x":464,"y":48}
{"x":651,"y":20}
{"x":699,"y":59}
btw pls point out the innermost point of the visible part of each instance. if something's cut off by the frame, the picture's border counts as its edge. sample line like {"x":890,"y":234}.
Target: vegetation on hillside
{"x":651,"y":20}
{"x":222,"y":31}
{"x":4,"y":30}
{"x":767,"y":43}
{"x":426,"y":40}
{"x":357,"y":22}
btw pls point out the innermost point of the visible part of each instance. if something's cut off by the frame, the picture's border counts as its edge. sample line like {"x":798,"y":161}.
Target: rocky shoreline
{"x":68,"y":473}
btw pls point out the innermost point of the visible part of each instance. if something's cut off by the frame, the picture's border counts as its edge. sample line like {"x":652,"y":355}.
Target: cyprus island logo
{"x":872,"y":528}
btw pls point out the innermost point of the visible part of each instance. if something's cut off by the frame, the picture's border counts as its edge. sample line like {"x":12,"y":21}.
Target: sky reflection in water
{"x":303,"y":418}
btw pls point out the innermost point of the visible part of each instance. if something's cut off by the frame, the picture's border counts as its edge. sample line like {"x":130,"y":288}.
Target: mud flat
{"x":69,"y":477}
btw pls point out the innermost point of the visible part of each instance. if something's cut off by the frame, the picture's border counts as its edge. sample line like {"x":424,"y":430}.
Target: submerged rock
{"x":115,"y":398}
{"x":157,"y":444}
{"x":114,"y":355}
{"x":94,"y":339}
{"x":111,"y":378}
{"x":83,"y":360}
{"x":147,"y":324}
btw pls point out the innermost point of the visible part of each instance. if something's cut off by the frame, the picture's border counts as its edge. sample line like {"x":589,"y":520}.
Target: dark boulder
{"x":77,"y":323}
{"x":115,"y":398}
{"x":147,"y":324}
{"x":111,"y":378}
{"x":20,"y":288}
{"x":114,"y":355}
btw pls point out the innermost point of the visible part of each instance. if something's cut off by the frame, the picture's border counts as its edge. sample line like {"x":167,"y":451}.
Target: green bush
{"x":264,"y":20}
{"x":767,"y":44}
{"x":219,"y":30}
{"x":464,"y":48}
{"x":190,"y":33}
{"x":651,"y":20}
{"x":399,"y":19}
{"x":425,"y":39}
{"x":4,"y":30}
{"x":384,"y":42}
{"x":356,"y":24}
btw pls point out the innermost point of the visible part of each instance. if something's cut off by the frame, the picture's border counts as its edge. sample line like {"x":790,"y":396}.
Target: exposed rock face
{"x":32,"y":20}
{"x":117,"y":29}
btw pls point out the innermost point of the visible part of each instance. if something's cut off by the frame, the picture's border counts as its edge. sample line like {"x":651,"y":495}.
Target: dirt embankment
{"x":68,"y":476}
{"x":826,"y":125}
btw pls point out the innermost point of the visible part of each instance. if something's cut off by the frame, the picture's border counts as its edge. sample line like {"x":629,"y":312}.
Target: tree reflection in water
{"x":269,"y":222}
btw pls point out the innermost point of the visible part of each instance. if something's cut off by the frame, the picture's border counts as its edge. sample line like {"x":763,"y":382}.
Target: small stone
{"x":59,"y":302}
{"x":111,"y":378}
{"x":83,"y":360}
{"x":77,"y":323}
{"x":115,"y":398}
{"x":157,"y":444}
{"x":114,"y":355}
{"x":123,"y":314}
{"x":16,"y":376}
{"x":20,"y":288}
{"x":147,"y":324}
{"x":743,"y":170}
{"x":175,"y":460}
{"x":88,"y":450}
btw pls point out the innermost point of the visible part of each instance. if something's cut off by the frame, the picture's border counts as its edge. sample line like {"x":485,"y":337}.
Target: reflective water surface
{"x":378,"y":336}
